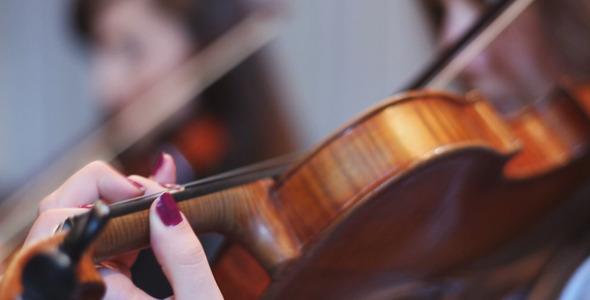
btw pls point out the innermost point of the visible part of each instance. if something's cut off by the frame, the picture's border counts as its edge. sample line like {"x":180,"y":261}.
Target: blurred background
{"x":333,"y":58}
{"x":44,"y":86}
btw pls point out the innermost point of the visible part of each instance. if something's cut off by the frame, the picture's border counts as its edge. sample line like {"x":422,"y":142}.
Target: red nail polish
{"x":136,"y":184}
{"x":89,"y":205}
{"x":168,"y":210}
{"x":159,"y":163}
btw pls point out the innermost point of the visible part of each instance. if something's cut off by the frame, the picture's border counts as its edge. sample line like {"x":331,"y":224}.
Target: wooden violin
{"x":410,"y":199}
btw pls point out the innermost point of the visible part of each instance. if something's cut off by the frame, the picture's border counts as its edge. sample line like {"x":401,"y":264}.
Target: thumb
{"x":180,"y":253}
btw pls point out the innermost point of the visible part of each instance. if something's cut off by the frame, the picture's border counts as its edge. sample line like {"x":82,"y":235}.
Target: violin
{"x":406,"y":199}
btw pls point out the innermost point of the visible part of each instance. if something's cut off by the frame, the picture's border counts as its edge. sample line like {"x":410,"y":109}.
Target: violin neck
{"x":245,"y":213}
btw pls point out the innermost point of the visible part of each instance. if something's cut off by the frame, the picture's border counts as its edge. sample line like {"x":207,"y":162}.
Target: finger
{"x":119,"y":286}
{"x":47,"y":222}
{"x":97,"y":180}
{"x":180,"y":253}
{"x":165,"y":169}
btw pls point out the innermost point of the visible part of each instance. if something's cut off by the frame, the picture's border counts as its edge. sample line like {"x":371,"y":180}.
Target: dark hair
{"x":245,"y":99}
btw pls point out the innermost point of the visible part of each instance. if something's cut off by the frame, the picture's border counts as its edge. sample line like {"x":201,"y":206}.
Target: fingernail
{"x":159,"y":164}
{"x":170,"y":185}
{"x":168,"y":210}
{"x":137,"y":184}
{"x":90,"y":205}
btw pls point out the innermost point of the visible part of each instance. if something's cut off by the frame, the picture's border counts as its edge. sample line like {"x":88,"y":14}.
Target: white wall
{"x":342,"y":56}
{"x":338,"y":56}
{"x":44,"y":99}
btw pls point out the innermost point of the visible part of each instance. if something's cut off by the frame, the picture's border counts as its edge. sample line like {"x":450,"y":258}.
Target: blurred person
{"x":548,"y":41}
{"x":135,"y":44}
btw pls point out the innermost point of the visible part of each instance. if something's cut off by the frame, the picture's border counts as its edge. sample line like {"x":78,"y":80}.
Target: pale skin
{"x":135,"y":46}
{"x":176,"y":248}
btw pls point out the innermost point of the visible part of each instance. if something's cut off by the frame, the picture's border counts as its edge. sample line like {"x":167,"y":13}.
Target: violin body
{"x":426,"y":195}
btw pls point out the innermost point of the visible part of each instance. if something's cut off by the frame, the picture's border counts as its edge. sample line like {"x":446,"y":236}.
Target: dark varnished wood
{"x":245,"y":214}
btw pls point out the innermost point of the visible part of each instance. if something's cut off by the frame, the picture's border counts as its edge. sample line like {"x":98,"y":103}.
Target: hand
{"x":174,"y":243}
